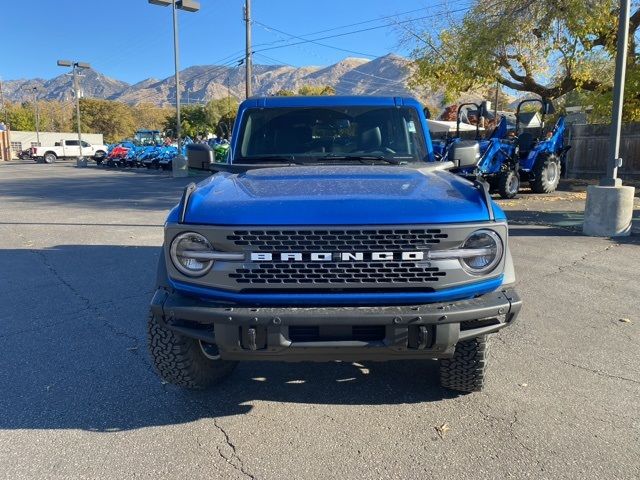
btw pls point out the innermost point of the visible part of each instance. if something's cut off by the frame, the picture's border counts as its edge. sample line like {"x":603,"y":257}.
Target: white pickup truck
{"x":68,"y":149}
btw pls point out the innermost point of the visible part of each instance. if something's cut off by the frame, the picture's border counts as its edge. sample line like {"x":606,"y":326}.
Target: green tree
{"x":113,"y":119}
{"x":149,"y":116}
{"x":316,"y":90}
{"x":21,"y":117}
{"x":193,"y":122}
{"x":546,"y":47}
{"x":284,"y":93}
{"x":221,"y":113}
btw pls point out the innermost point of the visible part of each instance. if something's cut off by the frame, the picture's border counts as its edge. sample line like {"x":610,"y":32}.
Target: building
{"x":19,"y":141}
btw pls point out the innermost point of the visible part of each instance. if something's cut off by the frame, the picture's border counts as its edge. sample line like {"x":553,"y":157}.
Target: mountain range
{"x":386,"y":75}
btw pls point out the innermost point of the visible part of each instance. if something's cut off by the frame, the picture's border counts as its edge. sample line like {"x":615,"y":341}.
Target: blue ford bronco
{"x":331,"y":233}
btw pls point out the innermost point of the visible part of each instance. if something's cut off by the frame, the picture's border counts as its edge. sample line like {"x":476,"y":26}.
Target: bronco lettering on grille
{"x":335,"y":256}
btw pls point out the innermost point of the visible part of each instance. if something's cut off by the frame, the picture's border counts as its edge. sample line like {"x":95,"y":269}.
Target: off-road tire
{"x":465,"y":372}
{"x":506,"y":186}
{"x":543,"y":183}
{"x":49,"y":157}
{"x":180,"y":360}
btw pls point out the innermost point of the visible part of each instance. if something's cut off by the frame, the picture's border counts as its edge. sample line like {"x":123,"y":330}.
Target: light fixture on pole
{"x":75,"y":66}
{"x":179,"y":164}
{"x":609,"y":208}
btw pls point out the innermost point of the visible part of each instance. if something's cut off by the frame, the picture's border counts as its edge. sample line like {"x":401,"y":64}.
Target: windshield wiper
{"x":364,"y":158}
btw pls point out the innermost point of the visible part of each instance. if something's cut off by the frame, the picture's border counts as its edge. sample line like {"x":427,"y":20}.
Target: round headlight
{"x":187,"y":251}
{"x":485,"y":249}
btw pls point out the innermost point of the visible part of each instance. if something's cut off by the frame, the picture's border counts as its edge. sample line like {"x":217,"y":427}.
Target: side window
{"x":85,"y":144}
{"x":71,"y":143}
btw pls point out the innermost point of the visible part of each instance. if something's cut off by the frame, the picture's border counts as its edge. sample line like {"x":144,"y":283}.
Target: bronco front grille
{"x":336,"y":240}
{"x":339,"y":273}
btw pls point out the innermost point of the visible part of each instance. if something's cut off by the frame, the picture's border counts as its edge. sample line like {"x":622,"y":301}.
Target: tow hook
{"x":423,"y":336}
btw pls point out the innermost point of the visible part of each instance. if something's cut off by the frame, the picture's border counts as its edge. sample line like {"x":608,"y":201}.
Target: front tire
{"x":185,"y":361}
{"x":466,"y":371}
{"x":508,"y":184}
{"x":546,"y":174}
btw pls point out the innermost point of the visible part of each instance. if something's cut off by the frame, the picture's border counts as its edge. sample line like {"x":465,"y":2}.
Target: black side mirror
{"x":427,"y":113}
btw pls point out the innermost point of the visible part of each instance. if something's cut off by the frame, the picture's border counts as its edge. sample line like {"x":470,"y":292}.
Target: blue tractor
{"x":541,"y":158}
{"x":505,"y":163}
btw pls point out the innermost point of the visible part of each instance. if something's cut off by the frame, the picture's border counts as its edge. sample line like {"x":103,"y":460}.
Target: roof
{"x":329,"y":101}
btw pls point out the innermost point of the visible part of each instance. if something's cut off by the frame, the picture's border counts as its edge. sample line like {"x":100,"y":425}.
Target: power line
{"x":364,"y":22}
{"x":353,"y":32}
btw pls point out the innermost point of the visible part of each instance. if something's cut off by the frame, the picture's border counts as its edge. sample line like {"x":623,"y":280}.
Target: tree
{"x":284,"y":93}
{"x":21,"y":117}
{"x":149,"y":116}
{"x":221,"y":113}
{"x":193,"y":121}
{"x":316,"y":90}
{"x":113,"y":119}
{"x":546,"y":47}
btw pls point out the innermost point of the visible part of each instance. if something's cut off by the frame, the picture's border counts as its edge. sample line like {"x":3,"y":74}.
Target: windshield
{"x":331,"y":134}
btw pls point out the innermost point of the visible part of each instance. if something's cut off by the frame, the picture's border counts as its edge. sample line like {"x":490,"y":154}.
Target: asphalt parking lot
{"x":79,"y":399}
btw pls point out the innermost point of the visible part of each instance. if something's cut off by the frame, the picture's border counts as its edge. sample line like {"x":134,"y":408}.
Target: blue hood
{"x":336,"y":195}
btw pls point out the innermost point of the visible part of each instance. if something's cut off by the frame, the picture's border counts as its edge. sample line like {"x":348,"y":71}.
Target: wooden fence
{"x":5,"y":148}
{"x":590,"y":151}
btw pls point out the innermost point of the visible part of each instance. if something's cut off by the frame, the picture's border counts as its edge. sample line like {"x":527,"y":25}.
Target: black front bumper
{"x":336,"y":333}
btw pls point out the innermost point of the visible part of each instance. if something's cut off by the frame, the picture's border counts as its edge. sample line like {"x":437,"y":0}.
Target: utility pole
{"x":609,"y":208}
{"x":4,"y":110}
{"x":75,"y":66}
{"x":37,"y":114}
{"x":247,"y":55}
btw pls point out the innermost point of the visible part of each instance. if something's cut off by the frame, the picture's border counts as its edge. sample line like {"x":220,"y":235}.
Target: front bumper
{"x":329,"y":333}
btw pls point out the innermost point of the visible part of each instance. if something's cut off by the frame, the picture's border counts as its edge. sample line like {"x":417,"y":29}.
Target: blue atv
{"x":541,"y":159}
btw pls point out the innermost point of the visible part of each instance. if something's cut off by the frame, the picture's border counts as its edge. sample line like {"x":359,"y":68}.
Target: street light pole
{"x":611,"y":180}
{"x":178,"y":165}
{"x":176,"y":63}
{"x":247,"y":55}
{"x":608,"y":211}
{"x":75,"y":66}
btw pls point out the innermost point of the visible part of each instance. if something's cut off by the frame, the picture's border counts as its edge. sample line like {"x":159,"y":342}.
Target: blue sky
{"x":132,"y":40}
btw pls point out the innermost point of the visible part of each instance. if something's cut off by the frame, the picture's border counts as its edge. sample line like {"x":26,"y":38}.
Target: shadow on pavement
{"x":74,"y":355}
{"x":526,"y":223}
{"x":142,"y":191}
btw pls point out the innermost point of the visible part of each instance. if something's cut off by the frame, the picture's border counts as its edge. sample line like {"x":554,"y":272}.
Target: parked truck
{"x":68,"y":149}
{"x":331,"y":233}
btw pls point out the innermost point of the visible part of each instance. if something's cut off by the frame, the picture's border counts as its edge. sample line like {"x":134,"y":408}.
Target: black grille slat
{"x":352,"y":240}
{"x":363,"y":274}
{"x":349,"y":273}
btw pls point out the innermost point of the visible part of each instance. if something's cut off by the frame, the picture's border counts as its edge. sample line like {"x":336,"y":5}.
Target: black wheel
{"x":49,"y":157}
{"x":508,"y":184}
{"x":465,"y":372}
{"x":185,"y":361}
{"x":99,"y":156}
{"x":546,"y":174}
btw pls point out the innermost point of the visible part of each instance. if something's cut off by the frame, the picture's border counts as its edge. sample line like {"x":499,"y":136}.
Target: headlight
{"x":482,"y":252}
{"x":190,"y":253}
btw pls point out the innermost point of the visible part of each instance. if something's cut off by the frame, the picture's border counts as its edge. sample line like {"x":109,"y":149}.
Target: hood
{"x":336,"y":195}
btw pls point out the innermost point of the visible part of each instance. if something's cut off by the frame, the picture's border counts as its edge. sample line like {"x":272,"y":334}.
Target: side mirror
{"x":427,"y":113}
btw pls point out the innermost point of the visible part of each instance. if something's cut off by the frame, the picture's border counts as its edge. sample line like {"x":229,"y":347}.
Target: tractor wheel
{"x":546,"y":174}
{"x":508,"y":184}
